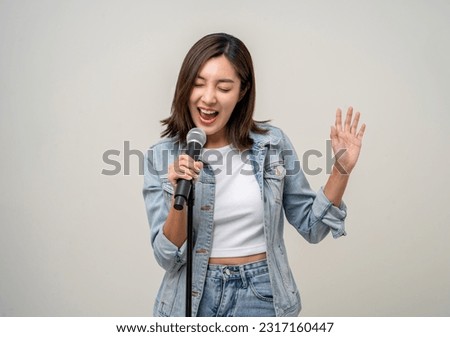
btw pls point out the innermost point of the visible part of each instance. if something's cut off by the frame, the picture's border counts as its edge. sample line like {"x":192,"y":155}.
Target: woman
{"x":247,"y":180}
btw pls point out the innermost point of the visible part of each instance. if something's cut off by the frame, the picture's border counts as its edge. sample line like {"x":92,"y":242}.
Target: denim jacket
{"x":285,"y":191}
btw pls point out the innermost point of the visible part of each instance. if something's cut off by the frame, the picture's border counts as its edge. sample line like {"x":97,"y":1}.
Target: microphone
{"x":196,"y":138}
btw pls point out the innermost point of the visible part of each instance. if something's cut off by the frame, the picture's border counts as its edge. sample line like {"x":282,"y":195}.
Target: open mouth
{"x":207,"y":116}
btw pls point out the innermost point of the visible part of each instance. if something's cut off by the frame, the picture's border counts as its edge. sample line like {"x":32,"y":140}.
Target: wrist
{"x":338,"y":178}
{"x":335,"y":186}
{"x":340,"y":170}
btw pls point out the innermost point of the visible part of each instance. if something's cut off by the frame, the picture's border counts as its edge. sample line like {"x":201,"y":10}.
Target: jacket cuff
{"x":330,"y":215}
{"x":170,"y":256}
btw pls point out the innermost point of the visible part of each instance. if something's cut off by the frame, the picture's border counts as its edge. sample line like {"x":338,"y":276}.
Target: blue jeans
{"x":237,"y":291}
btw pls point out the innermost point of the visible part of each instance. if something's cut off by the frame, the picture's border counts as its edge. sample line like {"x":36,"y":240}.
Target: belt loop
{"x":243,"y":276}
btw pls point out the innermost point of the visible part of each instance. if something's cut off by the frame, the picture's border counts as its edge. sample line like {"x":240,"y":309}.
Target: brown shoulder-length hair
{"x":241,"y":121}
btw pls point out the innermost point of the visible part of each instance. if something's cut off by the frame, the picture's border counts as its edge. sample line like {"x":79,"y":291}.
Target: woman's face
{"x":213,"y":98}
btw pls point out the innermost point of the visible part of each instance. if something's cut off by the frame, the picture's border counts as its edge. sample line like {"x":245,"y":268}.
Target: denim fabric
{"x":285,"y":192}
{"x":237,"y":291}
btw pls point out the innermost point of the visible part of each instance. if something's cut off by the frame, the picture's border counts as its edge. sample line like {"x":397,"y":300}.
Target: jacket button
{"x":205,"y":208}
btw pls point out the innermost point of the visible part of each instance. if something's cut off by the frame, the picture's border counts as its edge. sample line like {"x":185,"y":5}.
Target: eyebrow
{"x":223,"y":80}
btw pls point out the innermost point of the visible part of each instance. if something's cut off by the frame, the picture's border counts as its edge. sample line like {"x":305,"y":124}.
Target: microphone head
{"x":196,"y":135}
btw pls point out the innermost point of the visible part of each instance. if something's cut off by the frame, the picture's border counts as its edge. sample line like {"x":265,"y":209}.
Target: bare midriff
{"x":232,"y":261}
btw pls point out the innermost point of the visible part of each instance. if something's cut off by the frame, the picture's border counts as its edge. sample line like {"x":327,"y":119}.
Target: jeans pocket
{"x":261,"y":287}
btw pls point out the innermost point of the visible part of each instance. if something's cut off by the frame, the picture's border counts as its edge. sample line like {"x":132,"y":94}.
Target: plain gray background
{"x":78,"y":78}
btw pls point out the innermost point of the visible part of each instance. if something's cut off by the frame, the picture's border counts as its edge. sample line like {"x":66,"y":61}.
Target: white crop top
{"x":238,"y":208}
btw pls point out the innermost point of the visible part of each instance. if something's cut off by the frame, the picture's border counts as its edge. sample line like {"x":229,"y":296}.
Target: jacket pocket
{"x":274,"y":174}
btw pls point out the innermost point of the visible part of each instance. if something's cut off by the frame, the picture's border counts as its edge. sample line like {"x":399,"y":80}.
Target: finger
{"x":172,"y":176}
{"x":182,"y":174}
{"x":361,"y":131}
{"x":187,"y":172}
{"x":179,"y":170}
{"x":348,"y":119}
{"x":198,"y":165}
{"x":184,"y":168}
{"x":185,"y":159}
{"x":174,"y":180}
{"x":338,"y":122}
{"x":177,"y":167}
{"x":355,"y":122}
{"x":189,"y":163}
{"x":333,"y":133}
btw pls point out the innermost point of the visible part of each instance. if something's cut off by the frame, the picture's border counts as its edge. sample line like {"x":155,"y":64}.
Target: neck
{"x":216,"y":140}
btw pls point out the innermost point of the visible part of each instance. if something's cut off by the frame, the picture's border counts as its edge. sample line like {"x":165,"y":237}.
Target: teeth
{"x":207,"y":112}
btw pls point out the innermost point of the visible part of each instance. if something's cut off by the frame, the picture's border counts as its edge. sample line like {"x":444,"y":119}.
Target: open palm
{"x":346,"y":140}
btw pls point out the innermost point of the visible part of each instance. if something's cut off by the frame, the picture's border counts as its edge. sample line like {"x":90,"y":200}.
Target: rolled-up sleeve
{"x":330,"y":215}
{"x":168,"y":255}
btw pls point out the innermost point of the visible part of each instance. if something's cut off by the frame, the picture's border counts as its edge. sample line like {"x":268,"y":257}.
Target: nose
{"x":209,"y":96}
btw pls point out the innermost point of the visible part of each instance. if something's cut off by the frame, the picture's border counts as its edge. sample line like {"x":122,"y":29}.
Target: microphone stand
{"x":190,"y":240}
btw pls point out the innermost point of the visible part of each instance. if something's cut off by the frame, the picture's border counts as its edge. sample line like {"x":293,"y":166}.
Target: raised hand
{"x":346,"y":141}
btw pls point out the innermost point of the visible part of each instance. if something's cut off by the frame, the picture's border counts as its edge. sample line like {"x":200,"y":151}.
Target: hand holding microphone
{"x":184,"y":168}
{"x":187,"y":168}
